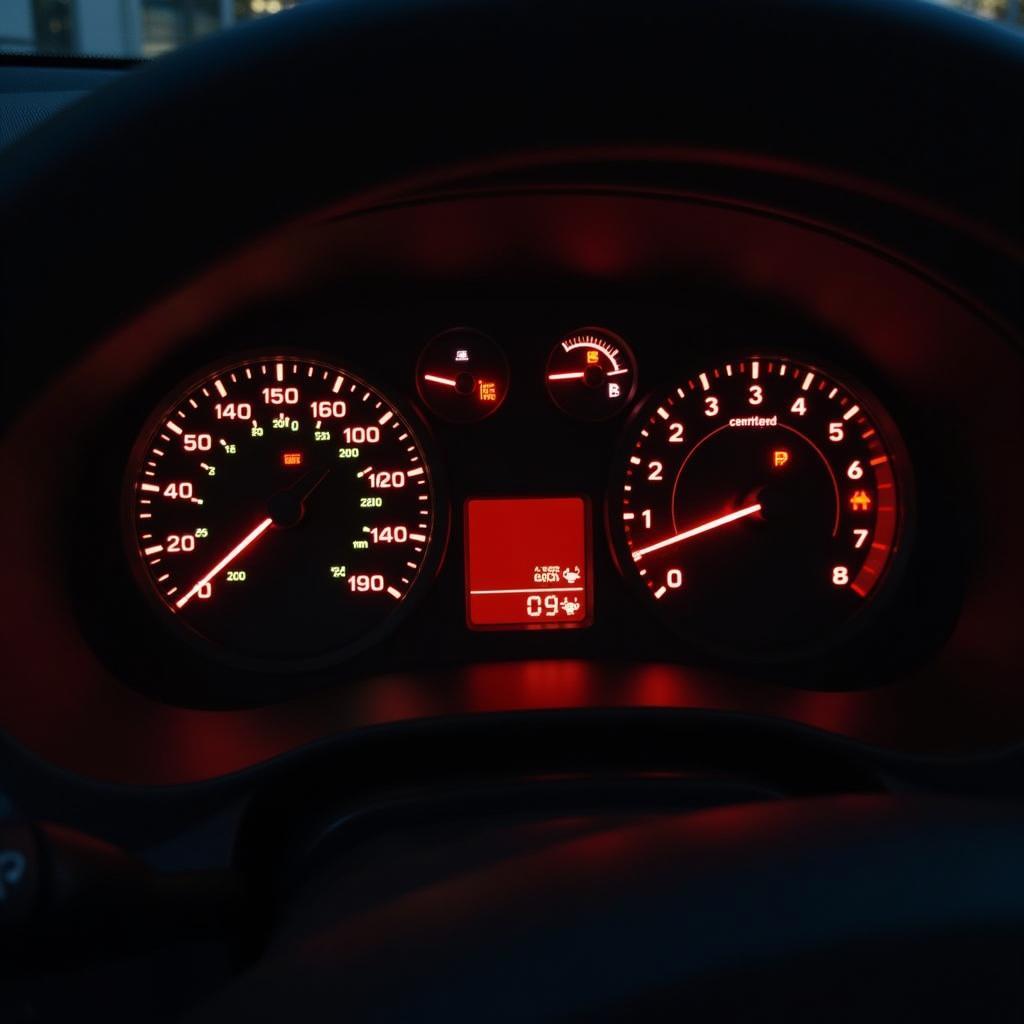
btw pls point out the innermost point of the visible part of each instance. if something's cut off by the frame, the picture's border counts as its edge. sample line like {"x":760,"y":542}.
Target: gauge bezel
{"x":622,"y":345}
{"x":177,"y":628}
{"x":882,"y":594}
{"x":428,"y":400}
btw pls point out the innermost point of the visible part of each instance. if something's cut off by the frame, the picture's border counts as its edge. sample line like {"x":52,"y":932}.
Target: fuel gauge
{"x":591,"y":374}
{"x":462,"y":375}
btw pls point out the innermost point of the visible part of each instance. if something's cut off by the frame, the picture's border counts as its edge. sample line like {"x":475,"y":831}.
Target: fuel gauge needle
{"x":247,"y":541}
{"x":711,"y":524}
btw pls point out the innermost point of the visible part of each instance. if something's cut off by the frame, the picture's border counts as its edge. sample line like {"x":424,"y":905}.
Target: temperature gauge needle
{"x":248,"y":540}
{"x":711,"y":524}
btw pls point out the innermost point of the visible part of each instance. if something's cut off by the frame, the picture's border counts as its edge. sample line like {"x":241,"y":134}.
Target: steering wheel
{"x":331,"y":108}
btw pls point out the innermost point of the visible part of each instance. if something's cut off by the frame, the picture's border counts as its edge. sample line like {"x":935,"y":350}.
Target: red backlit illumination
{"x":292,"y":458}
{"x":527,"y":563}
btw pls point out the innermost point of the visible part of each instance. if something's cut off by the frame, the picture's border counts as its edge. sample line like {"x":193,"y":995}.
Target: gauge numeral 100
{"x":361,"y":435}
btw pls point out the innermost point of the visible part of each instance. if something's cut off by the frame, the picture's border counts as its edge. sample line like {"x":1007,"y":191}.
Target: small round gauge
{"x":281,"y":511}
{"x":760,"y":505}
{"x":462,"y":375}
{"x":591,"y":374}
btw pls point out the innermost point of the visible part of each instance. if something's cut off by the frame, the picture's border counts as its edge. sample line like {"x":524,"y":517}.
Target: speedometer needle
{"x":711,"y":524}
{"x":249,"y":539}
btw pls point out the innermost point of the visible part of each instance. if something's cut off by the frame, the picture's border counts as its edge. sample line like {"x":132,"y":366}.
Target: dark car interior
{"x":512,"y":511}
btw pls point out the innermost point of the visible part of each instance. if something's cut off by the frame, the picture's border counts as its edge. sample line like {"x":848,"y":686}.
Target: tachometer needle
{"x":711,"y":524}
{"x":250,"y":538}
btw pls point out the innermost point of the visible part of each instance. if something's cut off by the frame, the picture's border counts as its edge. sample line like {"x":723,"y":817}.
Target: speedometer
{"x":281,"y":511}
{"x":761,"y":505}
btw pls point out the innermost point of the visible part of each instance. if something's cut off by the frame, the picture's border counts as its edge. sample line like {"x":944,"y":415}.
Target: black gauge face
{"x":462,"y":375}
{"x":760,"y":506}
{"x":281,"y":510}
{"x":591,"y":374}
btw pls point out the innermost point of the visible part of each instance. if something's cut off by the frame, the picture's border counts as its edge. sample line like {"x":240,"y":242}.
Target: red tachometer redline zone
{"x":760,"y":505}
{"x":280,"y":509}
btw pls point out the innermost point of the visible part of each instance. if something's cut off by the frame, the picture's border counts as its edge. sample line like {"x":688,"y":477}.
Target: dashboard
{"x":445,"y":555}
{"x":385,"y":483}
{"x":400,"y":512}
{"x":617,"y":426}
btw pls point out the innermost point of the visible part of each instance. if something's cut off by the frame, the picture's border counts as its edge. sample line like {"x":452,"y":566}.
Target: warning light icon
{"x":291,"y":458}
{"x":488,"y":391}
{"x":593,"y":356}
{"x":780,"y":458}
{"x":860,"y":501}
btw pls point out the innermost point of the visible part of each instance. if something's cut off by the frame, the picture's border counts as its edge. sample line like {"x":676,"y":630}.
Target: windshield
{"x":147,"y":28}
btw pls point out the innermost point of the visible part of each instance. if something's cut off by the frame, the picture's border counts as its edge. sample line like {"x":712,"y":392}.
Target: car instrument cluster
{"x":283,"y":512}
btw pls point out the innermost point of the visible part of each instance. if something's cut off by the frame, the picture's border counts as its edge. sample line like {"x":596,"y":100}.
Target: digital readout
{"x":527,"y":563}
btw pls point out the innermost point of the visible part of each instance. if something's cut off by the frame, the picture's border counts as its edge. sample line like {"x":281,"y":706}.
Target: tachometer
{"x":281,"y":510}
{"x":761,"y":505}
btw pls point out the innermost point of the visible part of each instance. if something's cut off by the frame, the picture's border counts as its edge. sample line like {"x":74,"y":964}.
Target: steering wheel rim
{"x":640,"y":919}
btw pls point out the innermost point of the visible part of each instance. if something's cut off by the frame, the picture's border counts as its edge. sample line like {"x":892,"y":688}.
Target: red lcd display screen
{"x":528,"y":563}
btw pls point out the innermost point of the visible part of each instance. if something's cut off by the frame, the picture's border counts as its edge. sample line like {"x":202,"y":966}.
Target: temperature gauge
{"x":462,"y":376}
{"x":591,"y":374}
